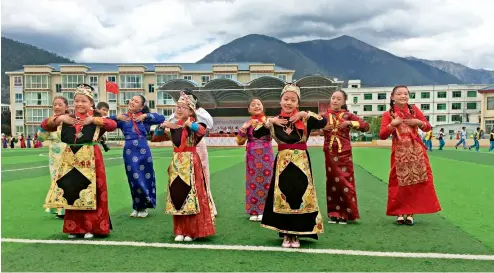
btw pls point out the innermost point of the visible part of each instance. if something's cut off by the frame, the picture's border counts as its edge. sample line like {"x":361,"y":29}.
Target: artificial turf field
{"x":464,"y":182}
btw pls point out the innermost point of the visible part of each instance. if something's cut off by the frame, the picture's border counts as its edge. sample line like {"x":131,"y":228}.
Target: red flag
{"x":111,"y":87}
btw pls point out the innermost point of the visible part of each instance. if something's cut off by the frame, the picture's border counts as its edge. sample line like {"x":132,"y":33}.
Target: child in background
{"x":103,"y":108}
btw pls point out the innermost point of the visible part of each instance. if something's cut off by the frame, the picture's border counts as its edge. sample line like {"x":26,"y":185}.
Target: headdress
{"x":187,"y":99}
{"x":84,"y":89}
{"x":291,"y":87}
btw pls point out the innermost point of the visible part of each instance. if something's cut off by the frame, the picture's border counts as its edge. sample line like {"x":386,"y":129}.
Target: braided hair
{"x":392,"y":102}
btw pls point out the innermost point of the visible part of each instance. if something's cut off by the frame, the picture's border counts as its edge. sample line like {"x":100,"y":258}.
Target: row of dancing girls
{"x":290,"y":206}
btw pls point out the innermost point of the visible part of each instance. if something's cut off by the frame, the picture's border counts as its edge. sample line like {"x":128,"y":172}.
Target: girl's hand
{"x":88,"y":120}
{"x":65,"y":119}
{"x":413,"y":122}
{"x":345,"y":124}
{"x":188,"y":123}
{"x":298,"y":116}
{"x":279,"y":121}
{"x":247,"y":124}
{"x":140,"y":118}
{"x":169,"y":125}
{"x":122,"y":117}
{"x":396,"y":122}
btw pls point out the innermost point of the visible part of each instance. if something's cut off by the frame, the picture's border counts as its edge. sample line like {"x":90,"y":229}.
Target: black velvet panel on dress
{"x":178,"y":192}
{"x":72,"y":183}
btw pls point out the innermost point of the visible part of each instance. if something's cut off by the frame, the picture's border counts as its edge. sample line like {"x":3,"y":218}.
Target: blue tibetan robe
{"x":138,"y":160}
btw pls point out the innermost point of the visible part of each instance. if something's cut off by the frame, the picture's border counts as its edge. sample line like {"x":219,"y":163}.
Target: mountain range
{"x":344,"y":57}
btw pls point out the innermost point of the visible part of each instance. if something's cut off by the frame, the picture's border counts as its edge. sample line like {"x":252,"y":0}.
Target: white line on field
{"x":111,"y":158}
{"x":260,"y":248}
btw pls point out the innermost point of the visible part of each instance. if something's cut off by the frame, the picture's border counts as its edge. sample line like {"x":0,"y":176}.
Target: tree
{"x":375,"y":126}
{"x":6,"y":129}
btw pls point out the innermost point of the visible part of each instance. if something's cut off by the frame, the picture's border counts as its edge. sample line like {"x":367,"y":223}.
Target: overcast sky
{"x":187,"y":30}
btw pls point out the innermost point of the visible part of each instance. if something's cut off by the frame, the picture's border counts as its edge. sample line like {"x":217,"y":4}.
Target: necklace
{"x":79,"y":122}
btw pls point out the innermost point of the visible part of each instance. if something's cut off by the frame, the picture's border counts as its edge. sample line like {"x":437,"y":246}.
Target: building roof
{"x":230,"y":93}
{"x":150,"y":67}
{"x":488,"y":89}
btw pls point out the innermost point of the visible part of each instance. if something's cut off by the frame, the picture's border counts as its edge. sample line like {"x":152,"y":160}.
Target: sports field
{"x":464,"y":181}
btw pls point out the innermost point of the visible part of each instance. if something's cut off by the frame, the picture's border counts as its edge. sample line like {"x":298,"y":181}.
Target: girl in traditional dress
{"x":135,"y":125}
{"x":12,"y":142}
{"x":291,"y":204}
{"x":56,"y":147}
{"x":4,"y":141}
{"x":29,"y":141}
{"x":23,"y":141}
{"x":187,"y":198}
{"x":411,"y":186}
{"x":340,"y":180}
{"x":203,"y":117}
{"x":441,"y":139}
{"x":259,"y":161}
{"x":80,"y":180}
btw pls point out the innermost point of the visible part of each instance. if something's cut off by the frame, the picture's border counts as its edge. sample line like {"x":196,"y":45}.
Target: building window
{"x":188,"y":77}
{"x":225,"y":76}
{"x":205,"y":79}
{"x":471,"y":105}
{"x":489,"y":125}
{"x":37,"y":81}
{"x":425,"y":95}
{"x":381,"y":96}
{"x":441,"y":118}
{"x":37,"y":98}
{"x":72,"y":81}
{"x":93,"y":81}
{"x":381,"y":108}
{"x":18,"y":81}
{"x":412,"y":95}
{"x":425,"y":107}
{"x":456,"y":118}
{"x":164,"y":78}
{"x":130,"y":81}
{"x":427,"y":118}
{"x":37,"y":115}
{"x":165,"y":99}
{"x":355,"y":112}
{"x":125,"y":97}
{"x":367,"y":108}
{"x":18,"y":98}
{"x":441,"y":106}
{"x":112,"y":98}
{"x":19,"y":129}
{"x":355,"y":100}
{"x":354,"y":85}
{"x":490,"y":103}
{"x":58,"y":87}
{"x":282,"y":77}
{"x":112,"y":112}
{"x":456,"y":106}
{"x":165,"y":112}
{"x":112,"y":79}
{"x":69,"y":96}
{"x":19,"y":114}
{"x":151,"y":88}
{"x":472,"y":94}
{"x":151,"y":104}
{"x":367,"y":96}
{"x":456,"y":94}
{"x":441,"y":95}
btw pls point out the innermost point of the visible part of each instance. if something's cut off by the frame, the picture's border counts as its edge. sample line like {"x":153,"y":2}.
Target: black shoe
{"x":333,"y":220}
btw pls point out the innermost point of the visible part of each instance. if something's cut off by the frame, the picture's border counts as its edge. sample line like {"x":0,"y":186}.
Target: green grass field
{"x":464,"y":182}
